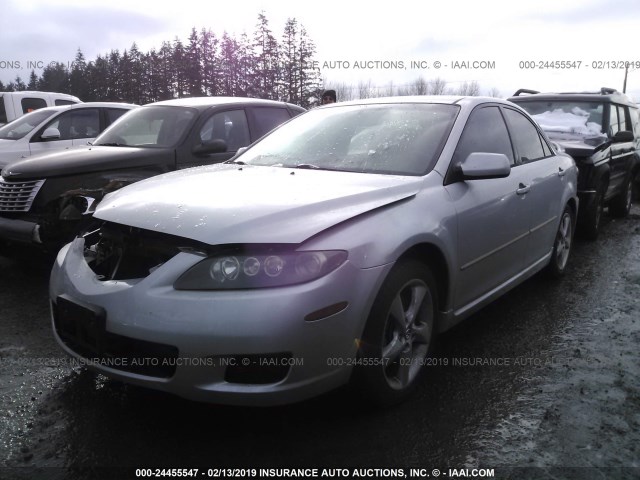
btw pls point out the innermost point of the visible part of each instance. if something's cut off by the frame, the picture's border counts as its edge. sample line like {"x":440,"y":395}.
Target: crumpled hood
{"x":582,"y":147}
{"x":226,"y":203}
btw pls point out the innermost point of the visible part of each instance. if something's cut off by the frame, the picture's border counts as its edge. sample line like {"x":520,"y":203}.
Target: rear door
{"x":546,"y":181}
{"x":493,"y":224}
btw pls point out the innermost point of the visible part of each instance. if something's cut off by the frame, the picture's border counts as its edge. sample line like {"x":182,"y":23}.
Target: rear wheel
{"x":562,"y":245}
{"x":398,"y":335}
{"x":590,"y":225}
{"x":620,"y":206}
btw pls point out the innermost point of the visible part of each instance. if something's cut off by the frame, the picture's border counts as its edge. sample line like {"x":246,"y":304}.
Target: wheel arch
{"x":434,"y":258}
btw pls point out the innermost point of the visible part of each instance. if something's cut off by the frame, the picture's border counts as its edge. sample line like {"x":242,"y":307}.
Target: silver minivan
{"x":55,"y":128}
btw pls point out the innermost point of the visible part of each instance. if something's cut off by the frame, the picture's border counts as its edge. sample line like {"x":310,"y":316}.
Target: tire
{"x":590,"y":225}
{"x":620,"y":205}
{"x":398,"y":335}
{"x":562,"y":244}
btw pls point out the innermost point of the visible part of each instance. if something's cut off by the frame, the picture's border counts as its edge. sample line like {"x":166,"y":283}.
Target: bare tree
{"x":437,"y":86}
{"x":365,"y":90}
{"x":471,"y":88}
{"x":344,"y":92}
{"x":494,"y":92}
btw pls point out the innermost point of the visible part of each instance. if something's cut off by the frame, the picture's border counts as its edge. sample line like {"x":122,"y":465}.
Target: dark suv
{"x":600,"y":131}
{"x":47,"y":199}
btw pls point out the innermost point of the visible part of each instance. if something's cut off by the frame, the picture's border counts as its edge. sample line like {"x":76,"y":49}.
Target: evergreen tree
{"x":309,"y":81}
{"x":78,"y":84}
{"x":229,"y":65}
{"x":210,"y":62}
{"x":114,"y":77}
{"x":193,"y":64}
{"x":33,"y":81}
{"x":55,"y":78}
{"x":179,"y":69}
{"x":164,"y":67}
{"x":289,"y":63}
{"x":97,"y":80}
{"x":265,"y":50}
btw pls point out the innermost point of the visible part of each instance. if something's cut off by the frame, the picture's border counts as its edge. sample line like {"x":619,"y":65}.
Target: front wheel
{"x":562,"y":244}
{"x":398,"y":335}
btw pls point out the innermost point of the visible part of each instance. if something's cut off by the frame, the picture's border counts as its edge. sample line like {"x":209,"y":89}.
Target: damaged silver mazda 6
{"x":332,"y":251}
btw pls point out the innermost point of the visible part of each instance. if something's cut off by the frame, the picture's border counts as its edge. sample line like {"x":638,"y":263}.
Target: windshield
{"x":399,"y":139}
{"x":23,"y":125}
{"x":582,"y":119}
{"x":152,"y":126}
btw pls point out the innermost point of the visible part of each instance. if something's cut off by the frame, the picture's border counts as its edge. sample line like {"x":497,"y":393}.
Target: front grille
{"x":18,"y":196}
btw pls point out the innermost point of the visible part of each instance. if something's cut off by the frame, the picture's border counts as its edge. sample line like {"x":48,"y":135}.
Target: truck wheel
{"x":620,"y":205}
{"x":590,"y":225}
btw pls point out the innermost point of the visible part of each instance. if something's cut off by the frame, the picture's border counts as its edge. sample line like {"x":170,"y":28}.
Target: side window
{"x":83,"y":123}
{"x":614,"y":126}
{"x":633,"y":118}
{"x":623,"y":118}
{"x":525,"y":136}
{"x":113,"y":114}
{"x":31,"y":104}
{"x":230,"y":126}
{"x":485,"y":132}
{"x":3,"y":112}
{"x":59,"y":102}
{"x":268,"y":118}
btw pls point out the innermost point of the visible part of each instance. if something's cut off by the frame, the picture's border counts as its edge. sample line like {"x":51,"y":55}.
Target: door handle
{"x":522,"y":189}
{"x":561,"y":172}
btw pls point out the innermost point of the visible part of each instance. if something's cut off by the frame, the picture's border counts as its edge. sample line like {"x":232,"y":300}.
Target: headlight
{"x":231,"y":272}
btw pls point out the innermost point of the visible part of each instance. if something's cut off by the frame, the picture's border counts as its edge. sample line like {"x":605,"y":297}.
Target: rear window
{"x":31,"y":104}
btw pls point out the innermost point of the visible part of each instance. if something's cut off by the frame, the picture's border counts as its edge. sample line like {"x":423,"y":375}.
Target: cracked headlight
{"x":232,"y":272}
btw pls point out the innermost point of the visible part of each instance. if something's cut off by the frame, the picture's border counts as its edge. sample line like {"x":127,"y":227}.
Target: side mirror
{"x":213,"y":146}
{"x":50,"y":133}
{"x":481,"y":165}
{"x":622,"y":136}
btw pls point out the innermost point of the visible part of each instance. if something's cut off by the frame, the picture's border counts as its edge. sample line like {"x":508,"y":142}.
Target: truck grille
{"x":18,"y":196}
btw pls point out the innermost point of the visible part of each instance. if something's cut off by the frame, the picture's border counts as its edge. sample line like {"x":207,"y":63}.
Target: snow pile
{"x":576,"y":121}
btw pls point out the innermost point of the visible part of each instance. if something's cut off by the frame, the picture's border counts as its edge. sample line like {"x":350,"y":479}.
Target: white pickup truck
{"x":15,"y":104}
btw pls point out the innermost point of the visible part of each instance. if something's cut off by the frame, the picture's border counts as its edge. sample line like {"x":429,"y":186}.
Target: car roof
{"x":603,"y":95}
{"x":75,"y":106}
{"x":470,"y":101}
{"x":203,"y":103}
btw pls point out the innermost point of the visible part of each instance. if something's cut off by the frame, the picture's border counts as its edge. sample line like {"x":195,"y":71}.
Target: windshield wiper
{"x":308,"y":166}
{"x":111,"y":144}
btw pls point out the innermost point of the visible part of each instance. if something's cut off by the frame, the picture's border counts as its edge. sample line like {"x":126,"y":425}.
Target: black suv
{"x":600,"y":131}
{"x":48,"y":199}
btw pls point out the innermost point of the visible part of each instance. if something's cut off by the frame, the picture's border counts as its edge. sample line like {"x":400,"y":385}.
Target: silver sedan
{"x":330,"y":252}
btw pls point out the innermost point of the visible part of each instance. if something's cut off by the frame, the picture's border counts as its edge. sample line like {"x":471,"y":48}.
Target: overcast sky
{"x":597,"y":33}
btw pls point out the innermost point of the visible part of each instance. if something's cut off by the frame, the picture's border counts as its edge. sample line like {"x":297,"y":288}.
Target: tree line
{"x":206,"y":64}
